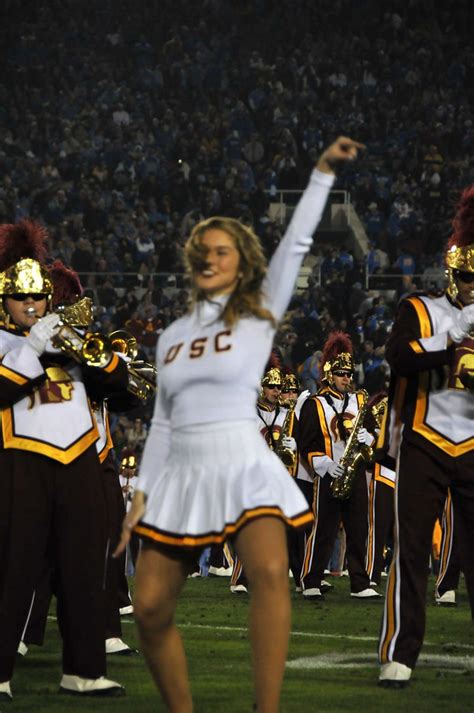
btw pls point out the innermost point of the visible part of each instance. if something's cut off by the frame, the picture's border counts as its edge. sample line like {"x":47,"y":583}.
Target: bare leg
{"x":159,"y":581}
{"x":261,"y":545}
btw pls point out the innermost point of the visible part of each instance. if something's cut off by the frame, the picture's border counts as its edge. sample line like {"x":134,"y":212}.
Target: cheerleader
{"x":206,"y":473}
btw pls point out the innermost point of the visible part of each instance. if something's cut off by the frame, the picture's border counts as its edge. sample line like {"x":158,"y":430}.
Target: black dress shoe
{"x":125,"y":652}
{"x":387,"y":683}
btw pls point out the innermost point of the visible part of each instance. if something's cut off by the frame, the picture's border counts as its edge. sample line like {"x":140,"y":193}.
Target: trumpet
{"x":141,"y":374}
{"x":96,"y":349}
{"x":90,"y":348}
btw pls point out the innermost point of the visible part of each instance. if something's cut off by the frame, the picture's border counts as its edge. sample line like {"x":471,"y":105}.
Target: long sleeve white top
{"x":208,"y":372}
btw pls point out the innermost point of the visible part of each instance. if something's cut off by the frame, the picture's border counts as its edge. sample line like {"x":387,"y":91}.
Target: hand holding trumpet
{"x":42,"y":331}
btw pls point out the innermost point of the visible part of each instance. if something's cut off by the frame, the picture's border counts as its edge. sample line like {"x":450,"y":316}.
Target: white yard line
{"x":308,"y":634}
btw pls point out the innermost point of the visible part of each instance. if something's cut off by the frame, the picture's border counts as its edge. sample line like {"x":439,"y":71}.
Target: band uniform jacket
{"x":320,"y":441}
{"x":428,"y":402}
{"x":271,"y":422}
{"x":45,"y":404}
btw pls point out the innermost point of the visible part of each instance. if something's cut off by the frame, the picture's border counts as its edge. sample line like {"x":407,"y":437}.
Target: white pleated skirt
{"x":217,"y":478}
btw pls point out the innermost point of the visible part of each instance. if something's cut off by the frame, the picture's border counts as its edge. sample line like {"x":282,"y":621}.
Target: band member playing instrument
{"x":381,"y":488}
{"x":272,"y":416}
{"x":275,"y":421}
{"x":128,"y":476}
{"x":53,"y":503}
{"x":430,"y":430}
{"x":206,"y":476}
{"x":67,"y":294}
{"x":325,"y":424}
{"x":291,"y":393}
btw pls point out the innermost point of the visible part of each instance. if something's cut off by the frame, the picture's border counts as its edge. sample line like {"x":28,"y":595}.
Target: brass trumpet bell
{"x":141,"y":374}
{"x":96,"y":350}
{"x":124,"y":343}
{"x":92,"y":348}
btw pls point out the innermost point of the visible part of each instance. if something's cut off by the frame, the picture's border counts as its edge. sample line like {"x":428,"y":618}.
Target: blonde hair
{"x":246,"y":299}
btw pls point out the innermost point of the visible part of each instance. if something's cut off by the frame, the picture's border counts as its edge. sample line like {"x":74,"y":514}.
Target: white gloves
{"x":335,"y":470}
{"x":288,"y":442}
{"x":41,"y":333}
{"x":463,"y":324}
{"x":364,"y":436}
{"x":300,"y":401}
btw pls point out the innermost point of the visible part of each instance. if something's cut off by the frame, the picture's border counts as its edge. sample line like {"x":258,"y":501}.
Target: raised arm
{"x":286,"y":262}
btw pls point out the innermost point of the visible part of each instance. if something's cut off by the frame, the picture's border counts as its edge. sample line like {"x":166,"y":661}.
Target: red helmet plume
{"x":463,"y":221}
{"x":25,"y":239}
{"x":66,"y":284}
{"x":460,"y":247}
{"x":337,"y":343}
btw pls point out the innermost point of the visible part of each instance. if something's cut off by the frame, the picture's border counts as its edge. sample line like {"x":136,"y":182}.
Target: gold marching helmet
{"x":290,"y":383}
{"x":26,"y":277}
{"x":273,"y":376}
{"x":459,"y":254}
{"x":337,"y":356}
{"x":22,"y":261}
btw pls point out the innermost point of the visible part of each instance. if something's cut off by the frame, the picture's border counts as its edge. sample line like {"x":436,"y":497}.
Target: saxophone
{"x":354,"y":455}
{"x":286,"y":455}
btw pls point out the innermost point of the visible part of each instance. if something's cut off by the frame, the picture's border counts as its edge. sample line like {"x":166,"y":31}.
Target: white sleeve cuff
{"x":437,"y":343}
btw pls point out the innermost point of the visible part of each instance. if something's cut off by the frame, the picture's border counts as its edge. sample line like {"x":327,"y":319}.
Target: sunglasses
{"x":274,"y":386}
{"x":20,"y":297}
{"x":466,"y":277}
{"x":343,"y":373}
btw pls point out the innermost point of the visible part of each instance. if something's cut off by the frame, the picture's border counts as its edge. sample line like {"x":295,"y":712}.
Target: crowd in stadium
{"x":120,"y":136}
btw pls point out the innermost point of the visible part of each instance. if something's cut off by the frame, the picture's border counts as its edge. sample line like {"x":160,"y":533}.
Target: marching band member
{"x":271,"y":416}
{"x":326,"y":421}
{"x":128,"y":476}
{"x":381,"y":488}
{"x":429,"y":429}
{"x":198,"y":454}
{"x":291,"y":392}
{"x":52,"y":508}
{"x":67,"y":291}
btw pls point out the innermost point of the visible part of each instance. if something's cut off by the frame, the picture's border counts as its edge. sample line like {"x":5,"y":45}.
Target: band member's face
{"x":288,"y":396}
{"x":465,"y":287}
{"x":220,"y":274}
{"x":342,"y":381}
{"x":25,"y":310}
{"x":271,"y":393}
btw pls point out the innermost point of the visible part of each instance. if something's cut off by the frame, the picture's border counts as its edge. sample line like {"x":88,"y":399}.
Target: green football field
{"x":331,"y":664}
